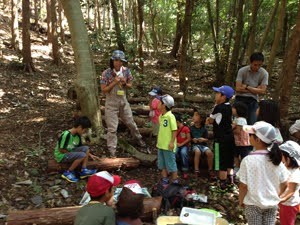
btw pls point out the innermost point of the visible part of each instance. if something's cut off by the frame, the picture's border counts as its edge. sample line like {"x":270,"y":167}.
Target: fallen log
{"x":177,"y":98}
{"x":102,"y":164}
{"x":66,"y":215}
{"x":145,"y":159}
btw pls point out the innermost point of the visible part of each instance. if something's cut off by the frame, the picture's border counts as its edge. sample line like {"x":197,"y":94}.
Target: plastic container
{"x":195,"y":216}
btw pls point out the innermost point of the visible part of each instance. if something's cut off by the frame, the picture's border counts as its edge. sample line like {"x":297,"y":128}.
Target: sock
{"x":230,"y":179}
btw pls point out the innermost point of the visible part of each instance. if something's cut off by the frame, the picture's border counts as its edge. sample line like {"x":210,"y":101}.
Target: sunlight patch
{"x":55,"y":100}
{"x":5,"y":110}
{"x":37,"y":119}
{"x":43,"y":88}
{"x":1,"y":93}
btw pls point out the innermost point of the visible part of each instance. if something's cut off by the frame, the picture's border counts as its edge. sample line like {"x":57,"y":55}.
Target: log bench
{"x":66,"y":215}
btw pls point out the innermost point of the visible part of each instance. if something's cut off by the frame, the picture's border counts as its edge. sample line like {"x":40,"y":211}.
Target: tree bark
{"x":66,"y":215}
{"x":286,"y":79}
{"x":278,"y":35}
{"x":26,"y":51}
{"x":141,"y":35}
{"x":49,"y":26}
{"x":36,"y":12}
{"x":85,"y":84}
{"x":117,"y":25}
{"x":186,"y":31}
{"x":102,"y":164}
{"x":55,"y":47}
{"x":268,"y":27}
{"x":237,"y":42}
{"x":60,"y":22}
{"x":15,"y":25}
{"x":179,"y":28}
{"x":252,"y":30}
{"x":153,"y":14}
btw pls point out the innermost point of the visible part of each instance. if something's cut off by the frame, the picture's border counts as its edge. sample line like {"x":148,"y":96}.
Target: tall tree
{"x":286,"y":79}
{"x":14,"y":25}
{"x":141,"y":34}
{"x":252,"y":28}
{"x":117,"y":25}
{"x":153,"y":14}
{"x":232,"y":68}
{"x":268,"y":27}
{"x":189,"y":5}
{"x":85,"y":84}
{"x":54,"y":38}
{"x":278,"y":35}
{"x":26,"y":51}
{"x":48,"y":19}
{"x":179,"y":28}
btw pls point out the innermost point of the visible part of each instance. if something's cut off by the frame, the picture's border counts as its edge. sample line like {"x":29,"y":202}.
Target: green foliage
{"x":36,"y":187}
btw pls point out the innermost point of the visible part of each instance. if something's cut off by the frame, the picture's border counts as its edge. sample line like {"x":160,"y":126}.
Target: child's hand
{"x":195,"y":140}
{"x":93,"y":157}
{"x":171,"y":146}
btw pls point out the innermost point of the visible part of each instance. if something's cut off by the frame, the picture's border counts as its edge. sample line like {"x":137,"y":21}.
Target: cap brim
{"x":248,"y":129}
{"x":117,"y":180}
{"x":152,"y":93}
{"x":216,"y":89}
{"x":159,"y":97}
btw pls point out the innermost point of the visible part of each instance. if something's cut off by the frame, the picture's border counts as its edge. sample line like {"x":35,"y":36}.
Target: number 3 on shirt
{"x":165,"y":123}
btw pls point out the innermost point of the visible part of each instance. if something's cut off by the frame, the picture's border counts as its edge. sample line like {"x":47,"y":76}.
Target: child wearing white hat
{"x":290,"y":199}
{"x":263,"y":177}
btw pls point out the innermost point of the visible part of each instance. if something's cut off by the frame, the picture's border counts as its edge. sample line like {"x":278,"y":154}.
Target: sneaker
{"x":164,"y":182}
{"x":86,"y":173}
{"x":218,"y":189}
{"x":69,"y":176}
{"x":141,"y":143}
{"x":185,"y":176}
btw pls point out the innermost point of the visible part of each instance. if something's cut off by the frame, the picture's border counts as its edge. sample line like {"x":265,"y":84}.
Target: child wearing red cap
{"x":99,"y":211}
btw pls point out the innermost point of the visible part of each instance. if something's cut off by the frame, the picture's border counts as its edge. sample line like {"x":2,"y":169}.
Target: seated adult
{"x":130,"y":205}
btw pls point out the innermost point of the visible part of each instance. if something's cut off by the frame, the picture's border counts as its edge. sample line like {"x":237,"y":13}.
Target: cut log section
{"x":66,"y":215}
{"x":102,"y":164}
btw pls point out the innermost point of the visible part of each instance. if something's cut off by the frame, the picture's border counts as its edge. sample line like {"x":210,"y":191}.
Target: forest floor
{"x":35,"y":108}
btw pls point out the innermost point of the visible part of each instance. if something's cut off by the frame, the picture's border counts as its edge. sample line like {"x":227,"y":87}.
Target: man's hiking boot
{"x":69,"y":176}
{"x":86,"y":173}
{"x":218,"y":189}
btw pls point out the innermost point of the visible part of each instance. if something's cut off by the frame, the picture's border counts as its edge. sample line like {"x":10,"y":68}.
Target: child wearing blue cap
{"x":223,"y":138}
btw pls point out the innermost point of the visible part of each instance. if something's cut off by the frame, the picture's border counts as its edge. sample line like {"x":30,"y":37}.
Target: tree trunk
{"x":286,"y":79}
{"x":86,"y":86}
{"x":179,"y":28}
{"x":15,"y":25}
{"x":98,"y":15}
{"x":153,"y":14}
{"x":141,"y":35}
{"x":186,"y":29}
{"x":49,"y":26}
{"x":103,"y":164}
{"x":117,"y":25}
{"x":66,"y":215}
{"x":285,"y":33}
{"x":55,"y":47}
{"x":88,"y":14}
{"x":268,"y":27}
{"x":237,"y":42}
{"x":60,"y":22}
{"x":36,"y":12}
{"x":135,"y":21}
{"x":26,"y":51}
{"x":251,"y":42}
{"x":278,"y":35}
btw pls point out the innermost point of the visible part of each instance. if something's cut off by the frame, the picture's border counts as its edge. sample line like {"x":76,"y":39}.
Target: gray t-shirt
{"x":252,"y":79}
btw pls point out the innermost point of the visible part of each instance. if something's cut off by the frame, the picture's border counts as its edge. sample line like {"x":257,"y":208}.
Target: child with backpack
{"x":166,"y":140}
{"x":199,"y":136}
{"x":241,"y":138}
{"x":290,"y":200}
{"x":183,"y":137}
{"x":263,"y":177}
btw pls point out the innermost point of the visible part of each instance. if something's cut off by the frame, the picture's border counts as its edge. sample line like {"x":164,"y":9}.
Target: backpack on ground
{"x":173,"y":196}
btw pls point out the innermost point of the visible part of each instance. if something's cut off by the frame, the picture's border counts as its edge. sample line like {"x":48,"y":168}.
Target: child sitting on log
{"x":69,"y":149}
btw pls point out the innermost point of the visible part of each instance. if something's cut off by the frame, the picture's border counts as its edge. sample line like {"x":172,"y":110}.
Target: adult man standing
{"x":114,"y":83}
{"x":251,"y":81}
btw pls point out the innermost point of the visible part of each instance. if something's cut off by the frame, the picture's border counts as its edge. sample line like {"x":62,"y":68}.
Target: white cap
{"x":263,"y":130}
{"x":168,"y":100}
{"x":293,"y":149}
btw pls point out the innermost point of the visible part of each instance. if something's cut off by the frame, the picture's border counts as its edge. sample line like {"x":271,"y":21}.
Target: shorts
{"x":77,"y":153}
{"x":167,"y":160}
{"x":224,"y":153}
{"x":242,"y":151}
{"x":202,"y":148}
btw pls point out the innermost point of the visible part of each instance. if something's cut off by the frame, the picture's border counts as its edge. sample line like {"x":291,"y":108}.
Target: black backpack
{"x":173,"y":196}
